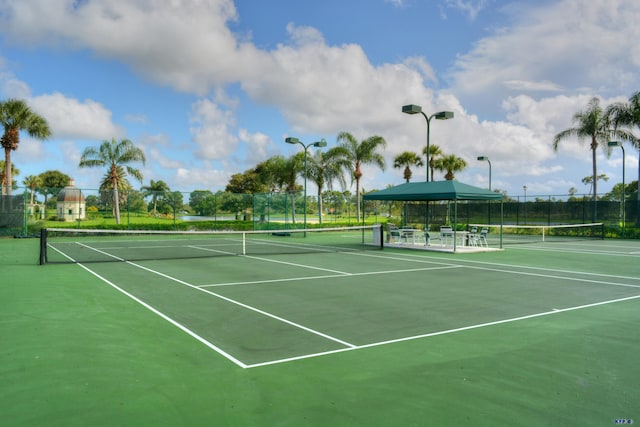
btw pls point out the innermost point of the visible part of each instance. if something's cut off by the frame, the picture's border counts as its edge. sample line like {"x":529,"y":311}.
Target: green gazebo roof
{"x":435,"y":190}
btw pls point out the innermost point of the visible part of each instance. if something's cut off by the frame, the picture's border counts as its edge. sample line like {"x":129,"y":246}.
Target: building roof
{"x":435,"y":190}
{"x":70,"y":193}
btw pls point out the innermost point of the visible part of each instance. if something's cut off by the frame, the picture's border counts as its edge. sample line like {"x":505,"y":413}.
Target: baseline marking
{"x":159,"y":313}
{"x":449,"y":331}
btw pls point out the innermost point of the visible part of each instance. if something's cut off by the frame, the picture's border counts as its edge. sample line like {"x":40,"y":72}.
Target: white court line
{"x":330,"y":276}
{"x":576,"y":251}
{"x":257,"y":310}
{"x":159,"y":313}
{"x":468,"y":263}
{"x":448,"y":331}
{"x":352,"y":346}
{"x":343,"y":273}
{"x":220,"y":351}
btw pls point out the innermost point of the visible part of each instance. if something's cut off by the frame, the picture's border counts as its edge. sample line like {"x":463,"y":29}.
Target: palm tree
{"x":324,"y":168}
{"x":593,"y":124}
{"x":32,"y":182}
{"x":623,"y":114}
{"x":434,"y":153}
{"x":406,"y":160}
{"x":588,"y":180}
{"x":627,"y":115}
{"x":450,"y":164}
{"x":14,"y":172}
{"x":16,"y":116}
{"x":114,"y":154}
{"x":154,"y":189}
{"x":361,"y":153}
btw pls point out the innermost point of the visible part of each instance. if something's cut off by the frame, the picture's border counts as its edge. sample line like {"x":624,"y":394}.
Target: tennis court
{"x":541,"y":333}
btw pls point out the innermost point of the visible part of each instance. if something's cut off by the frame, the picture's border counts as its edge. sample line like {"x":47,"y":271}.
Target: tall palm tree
{"x":434,"y":152}
{"x":154,"y":189}
{"x":32,"y":182}
{"x":16,"y":116}
{"x":3,"y":176}
{"x":450,"y":164}
{"x":406,"y":160}
{"x":361,"y":153}
{"x":114,"y":154}
{"x":324,"y":168}
{"x":627,"y":115}
{"x":592,"y":124}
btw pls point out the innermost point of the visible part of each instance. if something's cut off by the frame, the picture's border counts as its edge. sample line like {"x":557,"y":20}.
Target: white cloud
{"x":70,"y":118}
{"x":183,"y":44}
{"x":211,"y":130}
{"x":469,"y":7}
{"x":204,"y":178}
{"x":569,"y":45}
{"x":522,"y":85}
{"x":259,"y":146}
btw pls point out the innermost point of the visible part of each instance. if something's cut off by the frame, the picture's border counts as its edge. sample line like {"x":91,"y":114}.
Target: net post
{"x":244,"y":243}
{"x":43,"y":246}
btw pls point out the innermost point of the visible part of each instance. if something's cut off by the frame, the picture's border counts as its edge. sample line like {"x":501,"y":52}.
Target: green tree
{"x":434,"y":153}
{"x":594,"y":125}
{"x":32,"y":182}
{"x":325,"y":168}
{"x":170,"y":203}
{"x":52,"y":182}
{"x":406,"y":160}
{"x":451,"y":164}
{"x":202,"y":202}
{"x":154,"y":189}
{"x":248,"y":182}
{"x":279,"y":173}
{"x":114,"y":154}
{"x":16,"y":116}
{"x":359,"y":154}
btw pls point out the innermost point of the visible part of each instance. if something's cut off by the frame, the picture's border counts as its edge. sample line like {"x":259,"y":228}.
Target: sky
{"x":210,"y":88}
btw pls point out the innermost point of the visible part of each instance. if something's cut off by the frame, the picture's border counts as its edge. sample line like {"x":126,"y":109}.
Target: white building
{"x":71,"y":203}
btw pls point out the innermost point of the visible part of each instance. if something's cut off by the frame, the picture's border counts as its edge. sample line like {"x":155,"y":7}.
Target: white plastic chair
{"x":482,"y":237}
{"x":446,"y":236}
{"x":473,"y":237}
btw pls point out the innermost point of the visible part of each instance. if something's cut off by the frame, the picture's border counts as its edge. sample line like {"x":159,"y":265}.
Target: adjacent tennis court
{"x":542,"y":333}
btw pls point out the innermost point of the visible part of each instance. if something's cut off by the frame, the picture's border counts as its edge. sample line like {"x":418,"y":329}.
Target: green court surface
{"x":544,"y":334}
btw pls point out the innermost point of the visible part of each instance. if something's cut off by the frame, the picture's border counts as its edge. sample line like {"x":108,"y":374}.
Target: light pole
{"x":524,"y":187}
{"x":619,"y":144}
{"x":321,"y":143}
{"x":441,"y":115}
{"x":486,"y":159}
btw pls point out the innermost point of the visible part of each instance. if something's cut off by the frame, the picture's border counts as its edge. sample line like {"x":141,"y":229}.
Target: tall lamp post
{"x":619,"y":144}
{"x":441,"y":115}
{"x":486,"y":159}
{"x":321,"y":143}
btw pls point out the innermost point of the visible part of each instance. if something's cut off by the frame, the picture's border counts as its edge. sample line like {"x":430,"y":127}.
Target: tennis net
{"x":515,"y":234}
{"x":61,"y":245}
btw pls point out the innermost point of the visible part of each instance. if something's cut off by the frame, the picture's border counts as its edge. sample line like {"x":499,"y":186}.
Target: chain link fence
{"x":28,"y":210}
